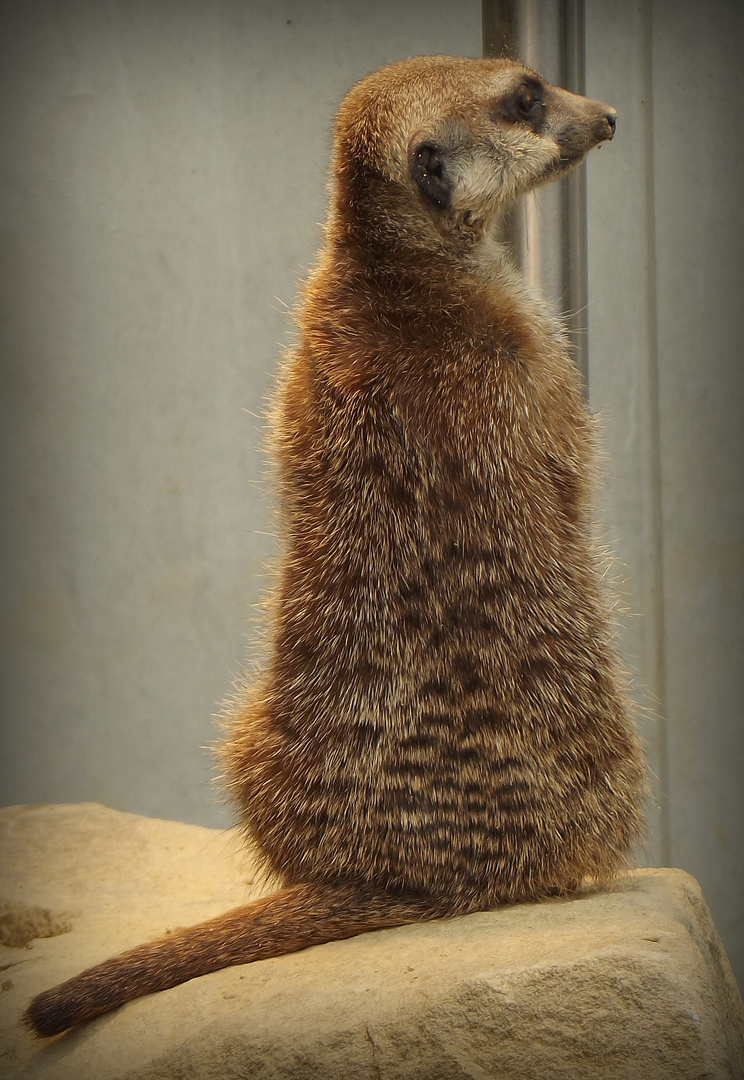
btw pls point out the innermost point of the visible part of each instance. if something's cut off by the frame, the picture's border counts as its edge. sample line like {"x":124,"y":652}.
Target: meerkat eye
{"x":526,"y":105}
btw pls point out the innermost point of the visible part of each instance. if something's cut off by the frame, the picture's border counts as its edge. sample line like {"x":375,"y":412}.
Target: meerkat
{"x":440,"y":727}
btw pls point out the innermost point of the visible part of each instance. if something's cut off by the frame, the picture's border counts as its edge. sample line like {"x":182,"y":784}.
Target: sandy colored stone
{"x":627,"y":983}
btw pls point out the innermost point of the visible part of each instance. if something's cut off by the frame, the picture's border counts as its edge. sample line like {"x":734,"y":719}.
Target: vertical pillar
{"x":548,"y":227}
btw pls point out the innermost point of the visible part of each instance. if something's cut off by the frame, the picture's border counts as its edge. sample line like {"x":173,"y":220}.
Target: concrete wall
{"x":666,"y":346}
{"x":163,"y":170}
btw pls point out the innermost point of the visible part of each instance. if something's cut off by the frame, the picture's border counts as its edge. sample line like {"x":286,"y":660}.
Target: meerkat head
{"x":462,"y":138}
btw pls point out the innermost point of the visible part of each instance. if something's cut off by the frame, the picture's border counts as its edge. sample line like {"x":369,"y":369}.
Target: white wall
{"x":163,"y":169}
{"x":163,"y":177}
{"x":666,"y":344}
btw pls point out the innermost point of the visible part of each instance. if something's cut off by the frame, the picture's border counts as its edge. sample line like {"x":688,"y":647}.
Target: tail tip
{"x":43,"y":1019}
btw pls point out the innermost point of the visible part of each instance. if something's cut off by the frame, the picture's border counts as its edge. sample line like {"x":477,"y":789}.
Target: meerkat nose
{"x":611,"y":117}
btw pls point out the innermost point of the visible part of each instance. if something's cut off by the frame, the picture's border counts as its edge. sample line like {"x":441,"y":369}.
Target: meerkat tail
{"x":285,"y":922}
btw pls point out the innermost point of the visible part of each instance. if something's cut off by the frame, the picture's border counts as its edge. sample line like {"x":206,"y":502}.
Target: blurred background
{"x":162,"y":183}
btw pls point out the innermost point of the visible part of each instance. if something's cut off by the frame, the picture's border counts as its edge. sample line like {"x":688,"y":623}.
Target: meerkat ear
{"x":430,"y":175}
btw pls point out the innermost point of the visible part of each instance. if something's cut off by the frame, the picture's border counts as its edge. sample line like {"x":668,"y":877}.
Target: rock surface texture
{"x":631,"y":982}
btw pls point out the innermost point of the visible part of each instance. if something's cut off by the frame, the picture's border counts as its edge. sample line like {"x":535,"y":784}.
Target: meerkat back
{"x":440,"y":726}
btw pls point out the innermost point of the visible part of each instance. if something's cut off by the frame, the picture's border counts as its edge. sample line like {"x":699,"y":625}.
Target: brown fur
{"x":439,"y":728}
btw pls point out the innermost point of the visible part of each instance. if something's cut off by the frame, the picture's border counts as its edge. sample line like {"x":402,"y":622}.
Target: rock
{"x":631,"y":982}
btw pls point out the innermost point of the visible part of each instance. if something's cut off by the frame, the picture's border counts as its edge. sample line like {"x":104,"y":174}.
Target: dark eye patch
{"x":525,"y":105}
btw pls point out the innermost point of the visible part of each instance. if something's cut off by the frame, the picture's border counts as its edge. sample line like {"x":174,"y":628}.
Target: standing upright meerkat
{"x":439,"y":727}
